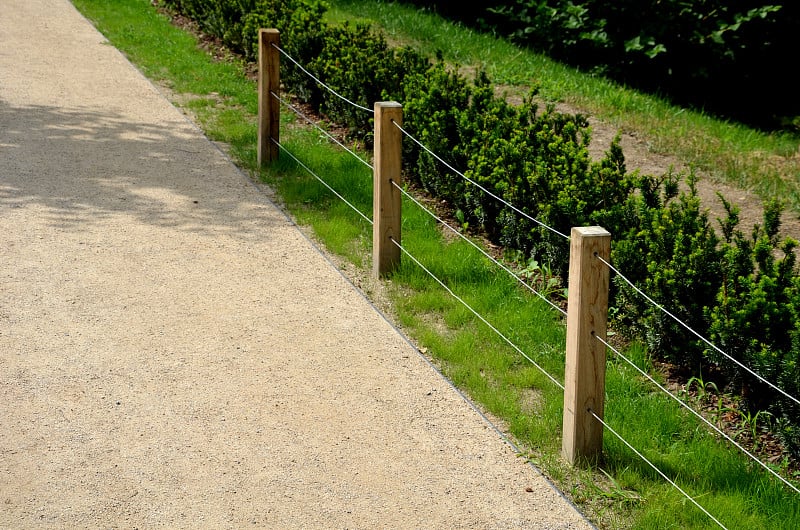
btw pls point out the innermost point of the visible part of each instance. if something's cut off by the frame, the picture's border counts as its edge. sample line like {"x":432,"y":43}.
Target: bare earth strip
{"x":175,"y":353}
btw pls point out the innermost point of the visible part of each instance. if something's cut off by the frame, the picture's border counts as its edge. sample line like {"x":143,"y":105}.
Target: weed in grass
{"x":541,"y":278}
{"x":702,"y":388}
{"x":750,"y":423}
{"x":613,"y":491}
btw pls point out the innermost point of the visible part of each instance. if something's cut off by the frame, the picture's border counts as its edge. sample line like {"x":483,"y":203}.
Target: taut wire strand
{"x":696,"y":334}
{"x":704,"y":420}
{"x":322,"y":181}
{"x":320,"y":129}
{"x":482,"y":251}
{"x":665,"y":477}
{"x":478,"y":315}
{"x":489,"y":193}
{"x":329,"y":89}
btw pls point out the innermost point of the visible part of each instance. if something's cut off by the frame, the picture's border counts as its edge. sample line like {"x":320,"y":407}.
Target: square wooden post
{"x":386,"y":200}
{"x":585,"y":372}
{"x":269,"y":110}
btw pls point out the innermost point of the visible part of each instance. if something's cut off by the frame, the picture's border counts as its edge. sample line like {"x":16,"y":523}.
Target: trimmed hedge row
{"x":742,"y":292}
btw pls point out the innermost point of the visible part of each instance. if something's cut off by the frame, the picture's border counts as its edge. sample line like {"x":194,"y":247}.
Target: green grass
{"x":624,"y":492}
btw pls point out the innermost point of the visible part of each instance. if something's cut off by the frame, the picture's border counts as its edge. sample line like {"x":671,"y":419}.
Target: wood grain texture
{"x":587,"y":313}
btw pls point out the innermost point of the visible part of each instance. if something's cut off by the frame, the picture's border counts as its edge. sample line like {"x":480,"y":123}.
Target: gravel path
{"x":175,"y":353}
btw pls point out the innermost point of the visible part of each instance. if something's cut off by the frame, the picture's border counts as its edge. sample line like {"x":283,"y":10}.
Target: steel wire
{"x":664,"y":476}
{"x":700,"y":416}
{"x":698,"y":335}
{"x":339,"y":195}
{"x":478,"y":315}
{"x":329,"y":89}
{"x":482,"y":251}
{"x":482,"y":188}
{"x":320,"y":129}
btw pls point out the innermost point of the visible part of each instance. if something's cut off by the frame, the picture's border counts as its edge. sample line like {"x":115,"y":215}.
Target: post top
{"x":590,"y":231}
{"x":387,"y":104}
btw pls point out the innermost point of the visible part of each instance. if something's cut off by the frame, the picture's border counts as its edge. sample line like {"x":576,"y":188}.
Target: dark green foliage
{"x":359,"y":65}
{"x":236,"y":23}
{"x":725,"y":56}
{"x":537,"y":162}
{"x":433,"y":100}
{"x":671,"y":252}
{"x":756,"y":315}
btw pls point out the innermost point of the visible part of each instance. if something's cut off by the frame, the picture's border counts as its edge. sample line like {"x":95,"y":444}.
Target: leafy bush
{"x":721,"y":55}
{"x":756,"y":315}
{"x":236,"y":23}
{"x":537,"y":162}
{"x":433,"y":101}
{"x":670,"y":251}
{"x":359,"y":65}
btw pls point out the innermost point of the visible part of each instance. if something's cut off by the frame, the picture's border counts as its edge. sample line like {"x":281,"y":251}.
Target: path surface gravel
{"x":175,"y":353}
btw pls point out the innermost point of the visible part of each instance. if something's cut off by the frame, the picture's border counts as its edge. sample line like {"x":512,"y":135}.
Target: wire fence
{"x":479,"y":316}
{"x":316,"y":125}
{"x":654,"y":467}
{"x":698,"y":335}
{"x":324,"y":183}
{"x":480,"y":187}
{"x":326,"y":87}
{"x":527,"y":286}
{"x":480,"y":249}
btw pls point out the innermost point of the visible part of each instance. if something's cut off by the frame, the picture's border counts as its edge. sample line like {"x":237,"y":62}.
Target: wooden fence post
{"x":386,"y":200}
{"x":585,"y":372}
{"x":269,"y":116}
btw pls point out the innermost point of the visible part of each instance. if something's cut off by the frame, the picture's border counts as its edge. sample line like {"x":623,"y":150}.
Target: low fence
{"x":584,"y":387}
{"x":589,"y":274}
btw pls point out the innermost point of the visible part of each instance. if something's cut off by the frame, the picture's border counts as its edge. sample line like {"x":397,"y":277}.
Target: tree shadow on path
{"x":82,"y":166}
